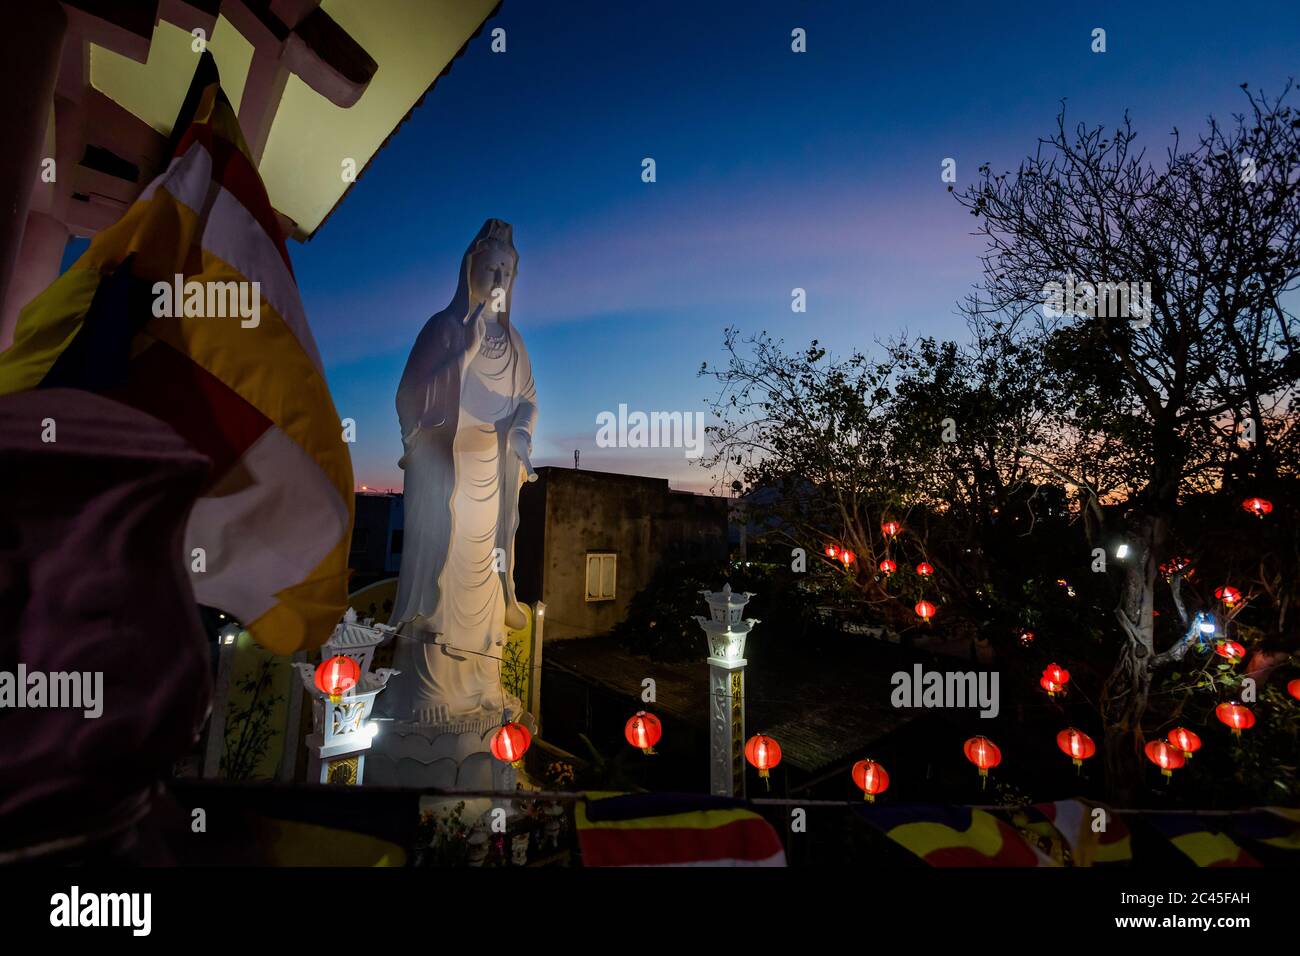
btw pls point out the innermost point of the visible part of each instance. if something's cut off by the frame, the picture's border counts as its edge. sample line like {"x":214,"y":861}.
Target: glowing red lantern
{"x":1237,"y":716}
{"x":925,"y":610}
{"x":1185,"y":740}
{"x":891,"y":528}
{"x":984,"y":754}
{"x":1165,"y":757}
{"x":1054,"y":679}
{"x":1177,"y":565}
{"x":336,"y":676}
{"x":1228,"y":595}
{"x":763,"y":753}
{"x":925,"y":569}
{"x":831,"y":551}
{"x":1293,"y":688}
{"x":643,"y":731}
{"x":511,"y":742}
{"x":1258,"y":506}
{"x":1076,"y":745}
{"x":1057,"y":674}
{"x":1229,"y":649}
{"x":870,"y":778}
{"x":888,"y":567}
{"x":1026,"y":638}
{"x":848,"y":557}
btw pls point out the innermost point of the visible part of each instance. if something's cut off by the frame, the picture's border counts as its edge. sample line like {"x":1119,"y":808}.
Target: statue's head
{"x":490,"y":270}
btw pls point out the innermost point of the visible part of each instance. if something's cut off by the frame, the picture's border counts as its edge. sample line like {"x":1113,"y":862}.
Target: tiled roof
{"x":822,"y":709}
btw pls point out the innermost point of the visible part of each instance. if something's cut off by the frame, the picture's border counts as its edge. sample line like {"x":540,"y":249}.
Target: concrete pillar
{"x":726,"y":629}
{"x":727,"y":727}
{"x":31,"y":42}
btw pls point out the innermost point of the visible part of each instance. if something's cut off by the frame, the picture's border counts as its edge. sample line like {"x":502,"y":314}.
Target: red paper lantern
{"x":1057,"y":674}
{"x":643,"y":731}
{"x":1165,"y":757}
{"x":336,"y":676}
{"x":1054,"y":679}
{"x":891,"y":528}
{"x":888,"y":567}
{"x":848,"y":557}
{"x":1293,"y":688}
{"x":925,"y":569}
{"x":1185,"y":740}
{"x":763,"y":753}
{"x":870,"y":778}
{"x":1229,"y":649}
{"x":1228,"y":595}
{"x":1076,"y":745}
{"x":925,"y":610}
{"x":511,"y":742}
{"x":1236,"y":716}
{"x":983,"y":753}
{"x":1258,"y":506}
{"x":832,"y":551}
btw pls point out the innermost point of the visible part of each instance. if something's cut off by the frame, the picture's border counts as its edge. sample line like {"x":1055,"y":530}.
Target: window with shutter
{"x":602,"y":575}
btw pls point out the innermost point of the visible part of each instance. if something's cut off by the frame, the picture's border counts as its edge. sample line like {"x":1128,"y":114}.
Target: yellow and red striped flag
{"x":275,"y":520}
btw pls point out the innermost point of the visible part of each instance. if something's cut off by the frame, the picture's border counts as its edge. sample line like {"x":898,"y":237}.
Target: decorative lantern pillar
{"x":726,"y":633}
{"x":341,"y":731}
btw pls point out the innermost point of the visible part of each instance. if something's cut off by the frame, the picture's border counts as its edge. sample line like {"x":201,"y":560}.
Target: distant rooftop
{"x":814,"y":705}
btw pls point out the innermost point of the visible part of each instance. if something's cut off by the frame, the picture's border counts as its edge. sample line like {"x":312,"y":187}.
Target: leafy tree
{"x":1159,"y":390}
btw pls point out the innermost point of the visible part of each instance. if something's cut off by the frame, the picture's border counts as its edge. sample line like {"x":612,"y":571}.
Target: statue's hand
{"x":475,"y":327}
{"x":521,"y":443}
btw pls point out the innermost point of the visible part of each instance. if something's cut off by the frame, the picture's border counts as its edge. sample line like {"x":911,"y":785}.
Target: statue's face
{"x":492,"y":268}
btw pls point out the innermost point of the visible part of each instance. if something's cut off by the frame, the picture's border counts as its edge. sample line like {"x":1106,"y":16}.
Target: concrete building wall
{"x":638,"y":519}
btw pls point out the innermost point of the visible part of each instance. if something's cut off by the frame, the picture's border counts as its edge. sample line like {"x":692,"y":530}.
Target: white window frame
{"x":600,"y":560}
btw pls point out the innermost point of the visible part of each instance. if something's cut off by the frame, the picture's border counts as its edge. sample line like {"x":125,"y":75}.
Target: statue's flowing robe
{"x":461,"y":502}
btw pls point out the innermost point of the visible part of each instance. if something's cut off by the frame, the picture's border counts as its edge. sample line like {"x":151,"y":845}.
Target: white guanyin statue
{"x":467,"y":407}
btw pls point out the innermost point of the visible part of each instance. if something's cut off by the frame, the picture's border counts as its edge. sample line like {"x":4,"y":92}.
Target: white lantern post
{"x":342,"y":731}
{"x":726,"y":632}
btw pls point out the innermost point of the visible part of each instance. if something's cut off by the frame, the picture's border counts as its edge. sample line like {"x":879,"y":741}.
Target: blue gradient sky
{"x":775,"y":170}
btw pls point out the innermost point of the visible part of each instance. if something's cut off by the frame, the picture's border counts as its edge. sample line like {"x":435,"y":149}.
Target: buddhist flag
{"x":187,"y":309}
{"x":665,"y":829}
{"x":954,"y":836}
{"x":1200,"y":838}
{"x":1073,"y":832}
{"x":1272,"y":834}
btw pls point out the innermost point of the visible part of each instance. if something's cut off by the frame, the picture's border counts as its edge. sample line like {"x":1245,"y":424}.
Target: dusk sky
{"x":775,"y":170}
